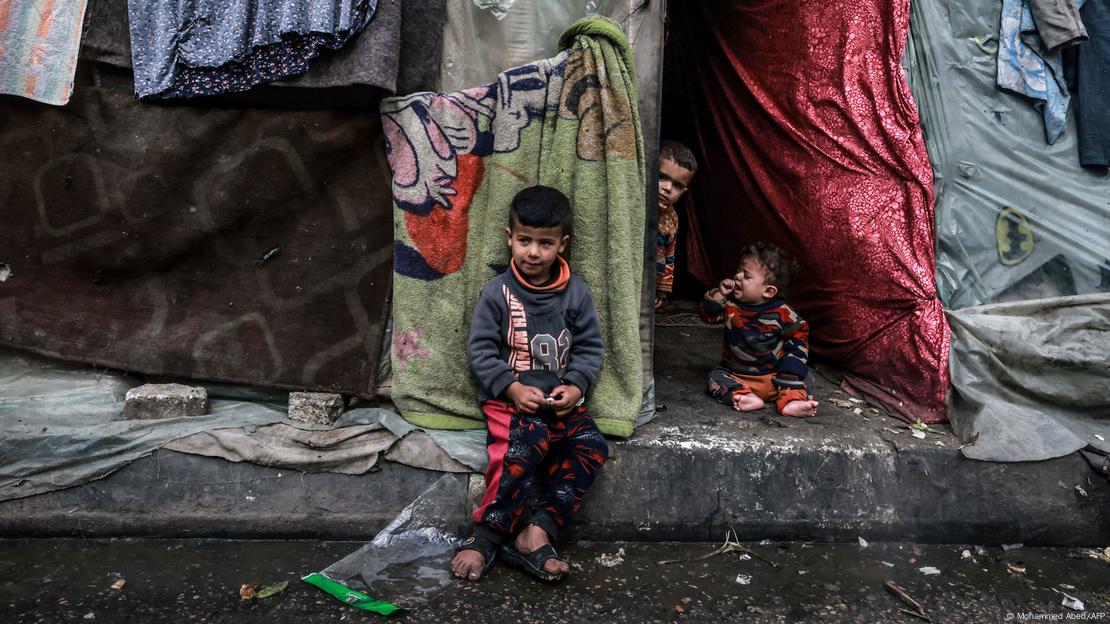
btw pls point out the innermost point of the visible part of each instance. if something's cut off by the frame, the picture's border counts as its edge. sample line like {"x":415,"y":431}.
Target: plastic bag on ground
{"x":407,"y":563}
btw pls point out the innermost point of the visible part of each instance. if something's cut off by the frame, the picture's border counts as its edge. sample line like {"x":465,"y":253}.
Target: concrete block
{"x":322,"y":408}
{"x":165,"y":401}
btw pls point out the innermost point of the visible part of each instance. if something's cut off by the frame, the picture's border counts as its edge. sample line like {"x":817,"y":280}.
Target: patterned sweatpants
{"x":725,"y":385}
{"x":566,"y":454}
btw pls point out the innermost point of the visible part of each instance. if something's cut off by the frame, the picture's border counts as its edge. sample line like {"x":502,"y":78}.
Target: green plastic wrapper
{"x":349,"y":596}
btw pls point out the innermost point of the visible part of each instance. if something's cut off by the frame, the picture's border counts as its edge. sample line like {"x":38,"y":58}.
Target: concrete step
{"x":697,"y":470}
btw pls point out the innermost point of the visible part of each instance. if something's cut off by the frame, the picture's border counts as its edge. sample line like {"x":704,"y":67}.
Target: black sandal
{"x":532,"y":563}
{"x":483,"y":546}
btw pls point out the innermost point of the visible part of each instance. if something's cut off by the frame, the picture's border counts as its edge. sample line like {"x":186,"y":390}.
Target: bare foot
{"x":746,"y":402}
{"x":531,"y":538}
{"x":800,"y":408}
{"x":468,"y":564}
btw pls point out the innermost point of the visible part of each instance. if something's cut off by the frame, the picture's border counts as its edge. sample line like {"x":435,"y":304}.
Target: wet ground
{"x":60,"y":580}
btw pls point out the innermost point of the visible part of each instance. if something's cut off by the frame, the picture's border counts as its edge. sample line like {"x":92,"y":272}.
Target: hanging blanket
{"x":458,"y":158}
{"x":38,"y":48}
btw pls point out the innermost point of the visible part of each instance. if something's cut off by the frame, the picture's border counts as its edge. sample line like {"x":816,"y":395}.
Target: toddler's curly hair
{"x":781,"y":268}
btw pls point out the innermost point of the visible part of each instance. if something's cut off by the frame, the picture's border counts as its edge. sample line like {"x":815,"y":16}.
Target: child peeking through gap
{"x":766,"y":343}
{"x":535,"y":347}
{"x":677,"y":167}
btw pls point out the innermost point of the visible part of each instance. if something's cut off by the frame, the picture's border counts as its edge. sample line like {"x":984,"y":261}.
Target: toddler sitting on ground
{"x":766,"y":343}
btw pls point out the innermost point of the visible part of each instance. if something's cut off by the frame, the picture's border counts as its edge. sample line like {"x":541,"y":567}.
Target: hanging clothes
{"x":190,"y":48}
{"x":1058,"y":23}
{"x":1093,"y":110}
{"x":1029,"y":66}
{"x":38,"y":48}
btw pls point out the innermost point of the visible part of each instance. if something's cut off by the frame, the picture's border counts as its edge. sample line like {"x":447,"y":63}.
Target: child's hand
{"x":528,"y":399}
{"x":726,"y":287}
{"x":566,"y":399}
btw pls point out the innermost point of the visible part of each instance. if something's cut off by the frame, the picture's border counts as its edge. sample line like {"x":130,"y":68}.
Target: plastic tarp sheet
{"x":354,"y":445}
{"x":1023,"y":234}
{"x":1017,"y":219}
{"x":482,"y":39}
{"x":1033,"y":377}
{"x":60,"y":426}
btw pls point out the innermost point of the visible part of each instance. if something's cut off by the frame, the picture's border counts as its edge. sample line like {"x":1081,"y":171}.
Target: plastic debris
{"x":269,"y":255}
{"x":744,"y":557}
{"x":929,"y":570}
{"x":966,"y":554}
{"x":119,"y":584}
{"x":887,"y":564}
{"x":1100,"y":438}
{"x":1081,"y":491}
{"x":1009,"y":547}
{"x":862,"y":542}
{"x":613,"y":560}
{"x":498,"y":8}
{"x":857,"y":411}
{"x":5,"y":272}
{"x":1094,"y":553}
{"x":90,"y":616}
{"x":920,"y":435}
{"x":744,"y":579}
{"x":408,"y":562}
{"x":920,"y":426}
{"x":1016,"y":568}
{"x":1072,"y":603}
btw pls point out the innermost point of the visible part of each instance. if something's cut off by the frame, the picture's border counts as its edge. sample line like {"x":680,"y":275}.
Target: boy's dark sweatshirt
{"x":519,"y":327}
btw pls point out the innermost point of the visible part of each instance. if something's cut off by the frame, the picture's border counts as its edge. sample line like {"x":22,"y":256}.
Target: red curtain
{"x":809,"y":138}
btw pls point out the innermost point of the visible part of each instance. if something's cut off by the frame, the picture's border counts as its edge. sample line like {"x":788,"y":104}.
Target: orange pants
{"x":725,"y":385}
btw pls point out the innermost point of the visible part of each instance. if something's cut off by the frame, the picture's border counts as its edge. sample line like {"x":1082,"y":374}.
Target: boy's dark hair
{"x":781,"y":269}
{"x":541,"y":207}
{"x":680,"y":154}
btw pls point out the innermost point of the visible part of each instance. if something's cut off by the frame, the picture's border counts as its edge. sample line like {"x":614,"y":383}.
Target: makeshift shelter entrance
{"x":808,"y":137}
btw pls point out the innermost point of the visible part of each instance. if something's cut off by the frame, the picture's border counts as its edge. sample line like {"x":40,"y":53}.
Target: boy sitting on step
{"x":535,"y":347}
